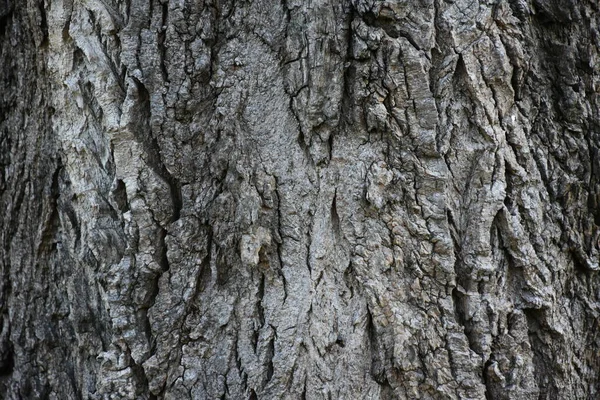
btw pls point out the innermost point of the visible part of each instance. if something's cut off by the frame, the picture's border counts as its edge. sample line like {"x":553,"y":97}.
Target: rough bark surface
{"x":334,"y":199}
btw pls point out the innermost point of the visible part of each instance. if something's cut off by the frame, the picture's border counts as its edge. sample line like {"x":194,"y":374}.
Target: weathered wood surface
{"x":337,"y":199}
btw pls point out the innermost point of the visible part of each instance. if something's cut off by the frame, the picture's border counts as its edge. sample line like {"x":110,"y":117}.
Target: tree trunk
{"x":323,"y":199}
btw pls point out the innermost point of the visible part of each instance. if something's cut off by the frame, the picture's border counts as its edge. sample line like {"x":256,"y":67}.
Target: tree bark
{"x":290,"y":199}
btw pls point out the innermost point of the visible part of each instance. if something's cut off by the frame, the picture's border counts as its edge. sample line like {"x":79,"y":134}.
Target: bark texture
{"x":326,"y":199}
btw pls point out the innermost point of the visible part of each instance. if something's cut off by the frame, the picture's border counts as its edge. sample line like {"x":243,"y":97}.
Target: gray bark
{"x":337,"y":199}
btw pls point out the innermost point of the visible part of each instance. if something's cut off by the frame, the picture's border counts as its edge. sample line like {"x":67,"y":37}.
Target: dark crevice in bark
{"x":260,"y":294}
{"x":286,"y":9}
{"x":593,"y":197}
{"x":90,"y":100}
{"x":270,"y":354}
{"x":516,"y":82}
{"x":458,"y":308}
{"x":161,"y":250}
{"x":235,"y":355}
{"x":69,"y":211}
{"x":301,"y":138}
{"x":52,"y":222}
{"x":580,"y":264}
{"x":43,"y":23}
{"x":459,"y":297}
{"x":488,"y":388}
{"x":6,"y":15}
{"x":377,"y":369}
{"x":13,"y":225}
{"x":139,"y":376}
{"x":349,"y":279}
{"x":225,"y":390}
{"x":7,"y":357}
{"x":335,"y":218}
{"x":318,"y":280}
{"x":204,"y":274}
{"x":348,"y":98}
{"x":253,"y":395}
{"x":520,"y":9}
{"x":542,"y":363}
{"x":120,"y":196}
{"x":162,"y":35}
{"x":348,"y":77}
{"x":309,"y":238}
{"x":279,"y":243}
{"x":152,"y":150}
{"x":460,"y":72}
{"x":330,"y":145}
{"x":176,"y":197}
